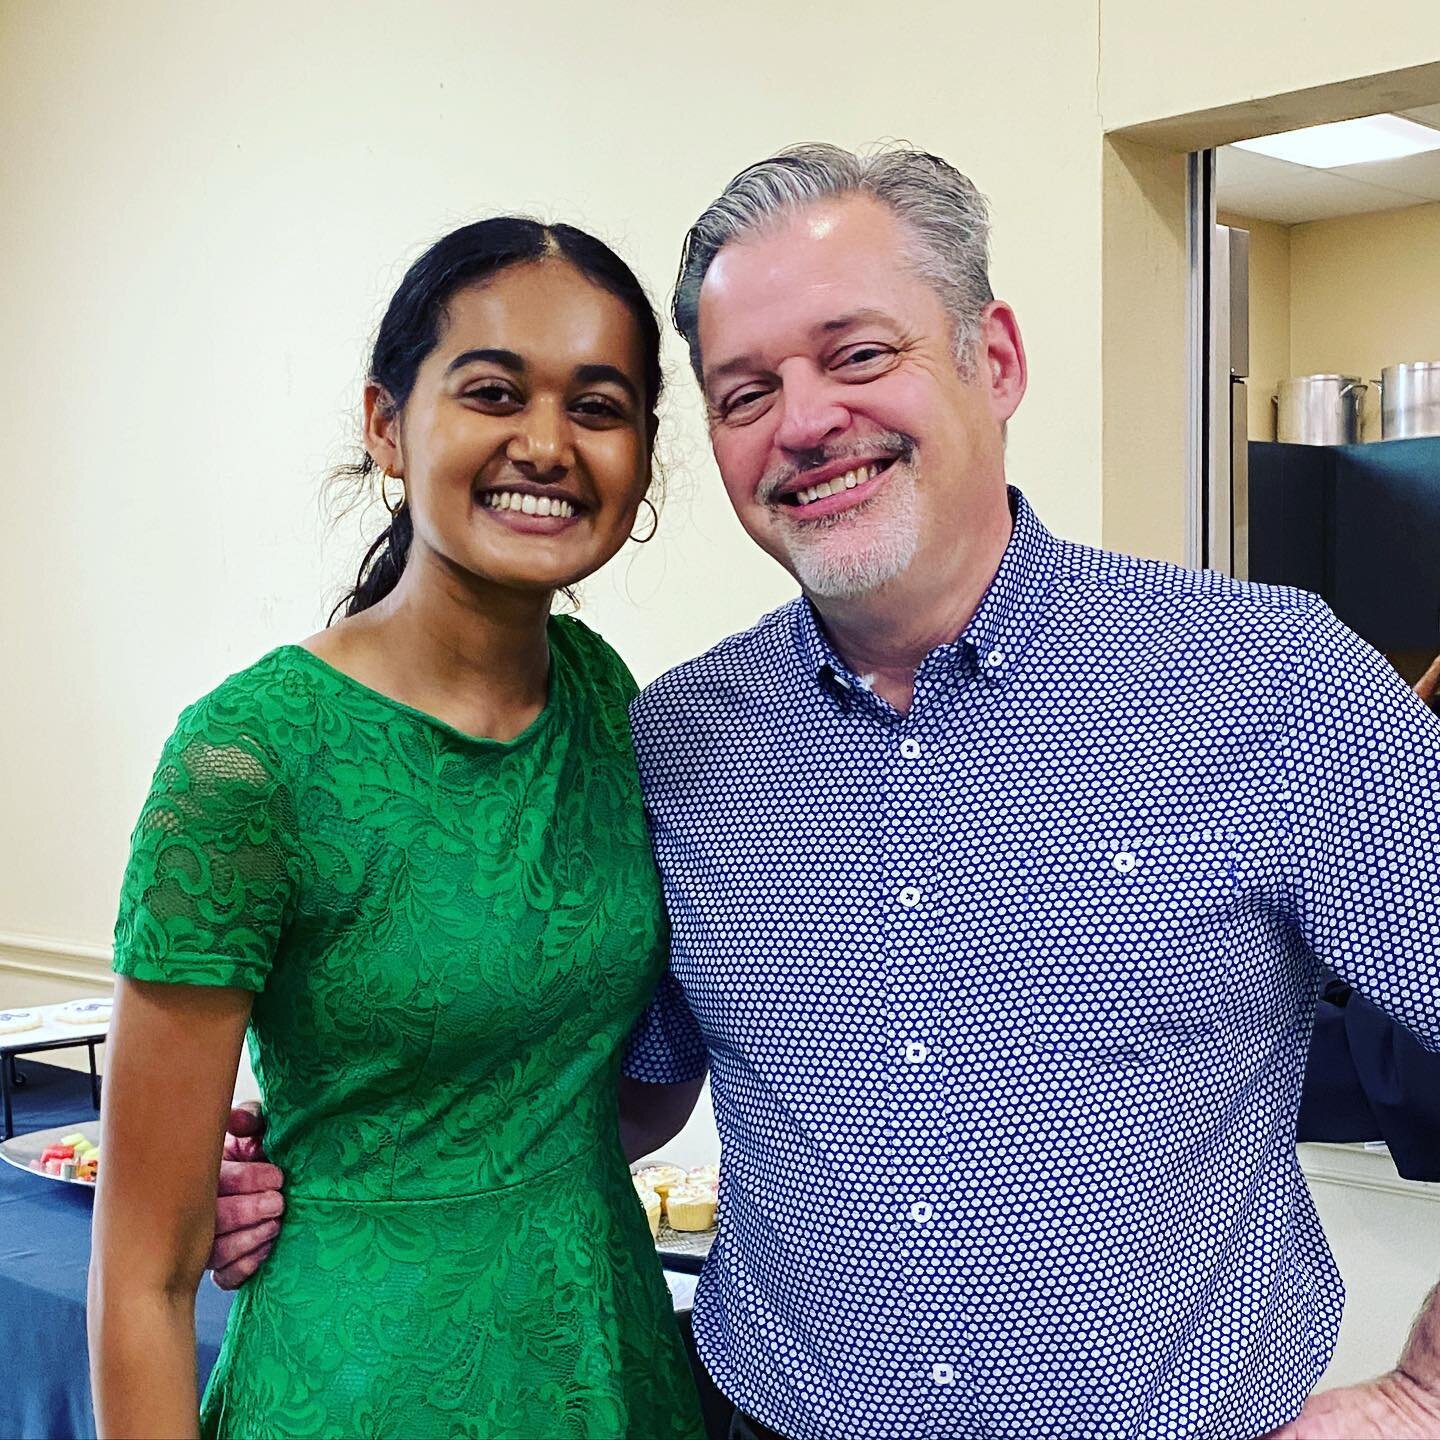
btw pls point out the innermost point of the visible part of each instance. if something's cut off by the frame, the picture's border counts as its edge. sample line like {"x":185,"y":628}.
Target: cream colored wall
{"x":1365,"y":293}
{"x":1143,"y":299}
{"x":1270,"y":299}
{"x":1160,"y":61}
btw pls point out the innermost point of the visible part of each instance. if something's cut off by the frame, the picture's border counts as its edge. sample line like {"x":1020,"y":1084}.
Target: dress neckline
{"x":540,"y":723}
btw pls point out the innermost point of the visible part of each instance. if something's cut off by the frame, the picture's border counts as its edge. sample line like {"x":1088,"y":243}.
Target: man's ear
{"x":382,"y":430}
{"x":1001,"y":354}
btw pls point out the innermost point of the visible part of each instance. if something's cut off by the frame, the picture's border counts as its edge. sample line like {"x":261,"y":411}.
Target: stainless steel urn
{"x":1319,"y":410}
{"x":1410,"y":400}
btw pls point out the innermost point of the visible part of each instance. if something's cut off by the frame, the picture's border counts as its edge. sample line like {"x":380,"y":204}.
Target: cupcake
{"x":690,"y":1207}
{"x":703,"y":1175}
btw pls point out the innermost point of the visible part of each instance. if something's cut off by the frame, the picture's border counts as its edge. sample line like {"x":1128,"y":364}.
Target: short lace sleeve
{"x":212,"y":862}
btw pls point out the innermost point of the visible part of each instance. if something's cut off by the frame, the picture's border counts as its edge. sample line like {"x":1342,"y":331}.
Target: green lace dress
{"x":449,"y":939}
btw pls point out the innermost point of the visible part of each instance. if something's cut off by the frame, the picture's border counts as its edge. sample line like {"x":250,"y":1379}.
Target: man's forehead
{"x":831,"y":266}
{"x":828,"y":241}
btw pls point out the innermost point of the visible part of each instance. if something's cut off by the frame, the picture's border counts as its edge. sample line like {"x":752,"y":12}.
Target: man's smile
{"x":837,"y":492}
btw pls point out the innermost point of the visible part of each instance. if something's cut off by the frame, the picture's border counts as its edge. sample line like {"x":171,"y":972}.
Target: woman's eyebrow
{"x":506,"y":358}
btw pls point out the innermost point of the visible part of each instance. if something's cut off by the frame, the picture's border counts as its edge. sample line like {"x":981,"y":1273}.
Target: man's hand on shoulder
{"x":248,"y":1204}
{"x":1394,"y":1407}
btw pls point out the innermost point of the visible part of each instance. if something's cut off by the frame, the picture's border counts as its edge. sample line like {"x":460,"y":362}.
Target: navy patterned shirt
{"x":1006,"y":1001}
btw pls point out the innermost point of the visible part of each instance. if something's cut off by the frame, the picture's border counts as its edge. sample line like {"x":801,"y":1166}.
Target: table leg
{"x":5,"y":1072}
{"x":94,"y":1078}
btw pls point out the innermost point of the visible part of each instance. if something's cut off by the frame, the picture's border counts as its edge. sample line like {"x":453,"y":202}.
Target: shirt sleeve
{"x":666,"y":1046}
{"x":1362,"y":772}
{"x":212,"y":866}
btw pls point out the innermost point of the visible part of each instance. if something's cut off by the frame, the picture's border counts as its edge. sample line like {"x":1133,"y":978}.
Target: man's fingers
{"x":232,"y":1277}
{"x":245,"y":1212}
{"x":246,"y":1119}
{"x":232,"y":1249}
{"x":247,"y":1148}
{"x":242,"y":1177}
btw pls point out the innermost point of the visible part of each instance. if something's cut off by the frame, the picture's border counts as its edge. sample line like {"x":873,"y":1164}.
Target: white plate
{"x":20,"y":1150}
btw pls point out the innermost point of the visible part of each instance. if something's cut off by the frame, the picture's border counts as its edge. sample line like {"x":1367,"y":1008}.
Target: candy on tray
{"x":73,"y":1158}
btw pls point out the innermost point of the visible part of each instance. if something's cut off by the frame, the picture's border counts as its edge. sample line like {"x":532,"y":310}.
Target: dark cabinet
{"x":1360,"y":526}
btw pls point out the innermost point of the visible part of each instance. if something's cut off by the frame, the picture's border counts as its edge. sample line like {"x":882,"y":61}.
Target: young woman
{"x":410,"y":856}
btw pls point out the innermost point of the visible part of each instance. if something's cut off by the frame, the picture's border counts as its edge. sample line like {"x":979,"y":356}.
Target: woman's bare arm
{"x":172,"y":1054}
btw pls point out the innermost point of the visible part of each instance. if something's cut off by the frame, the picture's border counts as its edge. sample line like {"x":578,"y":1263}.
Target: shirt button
{"x":943,"y":1374}
{"x":922,"y":1212}
{"x":995,"y":659}
{"x":916,"y":1052}
{"x":910,"y":749}
{"x":909,"y":897}
{"x":1124,"y":862}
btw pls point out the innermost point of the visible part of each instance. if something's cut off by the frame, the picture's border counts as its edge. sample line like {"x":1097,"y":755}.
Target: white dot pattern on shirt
{"x":1123,"y":847}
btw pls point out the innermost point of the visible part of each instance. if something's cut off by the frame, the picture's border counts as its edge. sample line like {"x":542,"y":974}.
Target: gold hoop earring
{"x":385,"y":479}
{"x":649,"y":535}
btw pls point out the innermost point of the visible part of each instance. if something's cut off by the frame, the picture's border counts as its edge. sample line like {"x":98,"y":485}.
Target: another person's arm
{"x":173,"y":1053}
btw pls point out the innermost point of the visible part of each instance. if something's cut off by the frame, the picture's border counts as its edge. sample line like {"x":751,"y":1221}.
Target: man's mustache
{"x":886,"y":445}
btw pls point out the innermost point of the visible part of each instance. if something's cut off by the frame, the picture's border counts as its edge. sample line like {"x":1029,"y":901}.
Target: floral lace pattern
{"x":449,"y":939}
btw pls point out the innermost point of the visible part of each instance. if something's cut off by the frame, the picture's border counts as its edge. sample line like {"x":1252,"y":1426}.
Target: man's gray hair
{"x":945,"y":214}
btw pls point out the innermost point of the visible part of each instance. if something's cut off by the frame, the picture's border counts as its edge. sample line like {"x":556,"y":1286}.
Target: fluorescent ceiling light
{"x":1349,"y":142}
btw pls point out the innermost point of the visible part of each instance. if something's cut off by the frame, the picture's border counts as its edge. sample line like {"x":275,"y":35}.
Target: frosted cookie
{"x":12,"y":1022}
{"x":690,"y":1207}
{"x":660,"y":1178}
{"x":95,"y":1011}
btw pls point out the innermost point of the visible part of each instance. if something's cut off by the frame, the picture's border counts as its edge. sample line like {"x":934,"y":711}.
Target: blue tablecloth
{"x":44,"y":1253}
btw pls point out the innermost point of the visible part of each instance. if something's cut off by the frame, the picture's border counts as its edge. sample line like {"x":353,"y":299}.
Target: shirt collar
{"x":999,"y":630}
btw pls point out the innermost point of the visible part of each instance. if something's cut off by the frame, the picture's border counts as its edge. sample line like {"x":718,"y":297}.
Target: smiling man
{"x":1001,"y":872}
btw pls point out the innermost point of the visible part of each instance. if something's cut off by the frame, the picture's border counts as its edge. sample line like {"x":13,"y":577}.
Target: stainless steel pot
{"x":1319,"y":410}
{"x":1409,"y":400}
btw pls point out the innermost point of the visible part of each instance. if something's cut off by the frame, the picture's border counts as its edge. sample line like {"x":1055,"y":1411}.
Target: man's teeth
{"x":848,"y":481}
{"x":527,"y":504}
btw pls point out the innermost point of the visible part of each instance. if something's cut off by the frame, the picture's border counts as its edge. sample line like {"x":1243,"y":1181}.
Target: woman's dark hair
{"x":412,"y":325}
